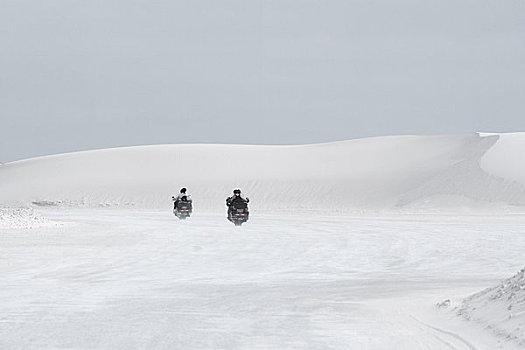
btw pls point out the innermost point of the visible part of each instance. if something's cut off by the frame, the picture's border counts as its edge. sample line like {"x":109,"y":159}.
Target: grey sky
{"x":79,"y":75}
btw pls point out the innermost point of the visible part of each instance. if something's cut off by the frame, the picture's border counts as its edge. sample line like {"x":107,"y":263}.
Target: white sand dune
{"x":86,"y":277}
{"x":444,"y":173}
{"x":500,"y":309}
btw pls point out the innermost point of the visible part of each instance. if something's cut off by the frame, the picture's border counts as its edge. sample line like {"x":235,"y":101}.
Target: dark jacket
{"x":233,"y":199}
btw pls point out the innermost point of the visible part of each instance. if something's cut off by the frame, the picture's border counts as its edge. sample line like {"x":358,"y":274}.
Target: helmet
{"x":237,"y":191}
{"x":183,"y":190}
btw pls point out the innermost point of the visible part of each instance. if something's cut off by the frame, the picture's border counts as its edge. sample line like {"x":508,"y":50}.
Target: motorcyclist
{"x":182,"y":196}
{"x":236,"y":198}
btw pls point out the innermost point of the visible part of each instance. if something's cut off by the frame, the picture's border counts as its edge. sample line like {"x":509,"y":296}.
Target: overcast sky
{"x":77,"y":75}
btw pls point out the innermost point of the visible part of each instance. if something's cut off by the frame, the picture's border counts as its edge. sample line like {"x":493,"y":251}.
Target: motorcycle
{"x":238,"y":213}
{"x":183,"y":209}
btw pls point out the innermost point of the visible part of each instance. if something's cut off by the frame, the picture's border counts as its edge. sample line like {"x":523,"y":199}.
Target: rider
{"x":236,"y":198}
{"x":183,"y":196}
